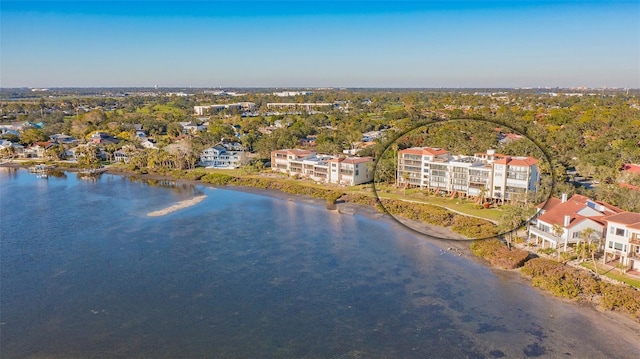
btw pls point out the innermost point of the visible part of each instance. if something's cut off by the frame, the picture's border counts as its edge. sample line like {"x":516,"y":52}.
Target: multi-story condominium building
{"x":561,"y":222}
{"x":622,"y":241}
{"x":307,"y":106}
{"x":491,"y":175}
{"x":220,"y":157}
{"x":213,"y":109}
{"x":349,"y":171}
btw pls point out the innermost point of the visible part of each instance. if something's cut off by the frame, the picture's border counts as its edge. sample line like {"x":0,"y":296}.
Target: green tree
{"x":89,"y":157}
{"x":590,"y":248}
{"x":557,"y":230}
{"x":32,"y":135}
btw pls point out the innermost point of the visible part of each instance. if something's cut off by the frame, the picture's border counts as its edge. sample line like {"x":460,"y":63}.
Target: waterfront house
{"x":15,"y":149}
{"x":219,"y":157}
{"x":622,"y":241}
{"x":36,"y":150}
{"x":560,"y":222}
{"x":121,"y":156}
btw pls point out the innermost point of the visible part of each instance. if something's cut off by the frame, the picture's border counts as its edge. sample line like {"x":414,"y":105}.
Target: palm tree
{"x":557,"y":231}
{"x":587,"y":234}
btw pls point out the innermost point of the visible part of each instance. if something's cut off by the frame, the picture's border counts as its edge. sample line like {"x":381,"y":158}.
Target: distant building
{"x":213,"y":109}
{"x":302,"y":106}
{"x":63,"y":139}
{"x":103,"y":138}
{"x":291,"y":93}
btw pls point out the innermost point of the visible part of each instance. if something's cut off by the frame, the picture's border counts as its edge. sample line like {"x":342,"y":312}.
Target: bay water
{"x":85,"y":273}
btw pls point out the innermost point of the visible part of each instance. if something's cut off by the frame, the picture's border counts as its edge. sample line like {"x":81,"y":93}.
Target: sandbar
{"x":178,"y":206}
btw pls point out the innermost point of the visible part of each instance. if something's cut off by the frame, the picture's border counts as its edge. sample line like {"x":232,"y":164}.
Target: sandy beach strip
{"x":178,"y":206}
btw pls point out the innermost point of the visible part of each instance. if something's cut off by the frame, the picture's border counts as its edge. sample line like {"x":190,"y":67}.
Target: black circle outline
{"x":437,"y":121}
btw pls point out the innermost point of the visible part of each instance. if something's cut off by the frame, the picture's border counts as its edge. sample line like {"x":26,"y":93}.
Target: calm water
{"x":85,"y":273}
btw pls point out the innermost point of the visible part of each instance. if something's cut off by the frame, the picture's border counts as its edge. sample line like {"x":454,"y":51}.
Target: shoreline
{"x":460,"y":246}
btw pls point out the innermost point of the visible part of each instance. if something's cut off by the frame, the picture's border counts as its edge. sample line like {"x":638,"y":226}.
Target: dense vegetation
{"x":591,"y":132}
{"x":498,"y":254}
{"x":560,"y":279}
{"x":572,"y":283}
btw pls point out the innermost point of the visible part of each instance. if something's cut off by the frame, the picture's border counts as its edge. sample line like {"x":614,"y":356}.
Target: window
{"x":357,"y":172}
{"x":620,"y":232}
{"x":617,"y":246}
{"x":576,"y":235}
{"x":610,"y":244}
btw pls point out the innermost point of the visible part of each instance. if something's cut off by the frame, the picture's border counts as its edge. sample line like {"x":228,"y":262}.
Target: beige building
{"x":348,"y":171}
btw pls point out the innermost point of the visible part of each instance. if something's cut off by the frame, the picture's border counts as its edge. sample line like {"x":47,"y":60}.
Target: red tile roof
{"x":511,"y":161}
{"x":549,"y":204}
{"x":630,"y":167}
{"x":555,"y":213}
{"x":424,"y":151}
{"x":624,"y":218}
{"x":630,"y":186}
{"x":356,"y":160}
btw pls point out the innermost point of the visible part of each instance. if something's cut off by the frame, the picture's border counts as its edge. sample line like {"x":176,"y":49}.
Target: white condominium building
{"x":349,"y":171}
{"x":213,"y":109}
{"x":220,"y":157}
{"x":489,"y":174}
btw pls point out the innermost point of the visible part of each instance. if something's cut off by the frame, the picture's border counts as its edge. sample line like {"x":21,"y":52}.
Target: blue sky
{"x":329,"y":43}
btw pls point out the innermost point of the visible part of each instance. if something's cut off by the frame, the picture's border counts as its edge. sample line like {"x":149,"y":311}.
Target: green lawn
{"x":460,"y":205}
{"x":161,"y":109}
{"x":613,"y":274}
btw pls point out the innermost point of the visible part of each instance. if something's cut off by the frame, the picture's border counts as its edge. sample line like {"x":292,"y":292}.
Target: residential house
{"x":37,"y":150}
{"x":190,"y":127}
{"x":10,"y":149}
{"x":103,"y":138}
{"x":121,"y":156}
{"x":147,"y":143}
{"x":220,"y":157}
{"x":560,"y":222}
{"x":63,"y":139}
{"x":630,"y":173}
{"x":622,"y":241}
{"x":72,"y":154}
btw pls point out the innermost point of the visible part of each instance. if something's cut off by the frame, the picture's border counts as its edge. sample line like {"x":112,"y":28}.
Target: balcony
{"x":546,"y":235}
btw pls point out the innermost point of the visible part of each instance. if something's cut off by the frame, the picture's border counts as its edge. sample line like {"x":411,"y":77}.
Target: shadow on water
{"x":176,"y":187}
